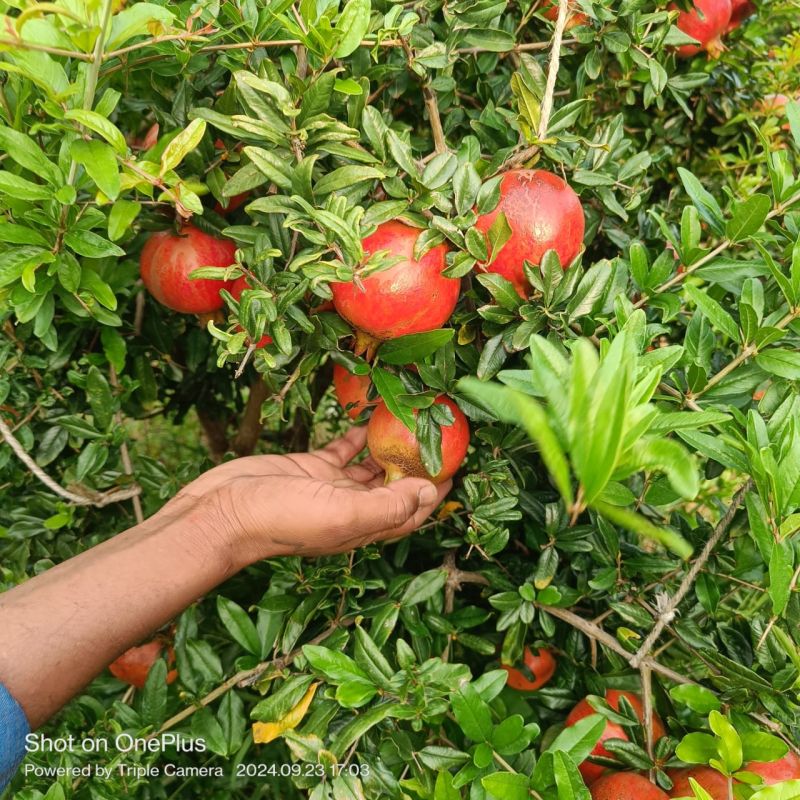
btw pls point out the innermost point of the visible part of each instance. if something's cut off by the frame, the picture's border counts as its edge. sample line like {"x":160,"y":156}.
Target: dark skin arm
{"x":61,"y":628}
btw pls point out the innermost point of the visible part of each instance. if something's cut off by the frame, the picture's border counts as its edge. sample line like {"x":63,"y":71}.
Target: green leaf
{"x":579,"y":740}
{"x":99,"y":124}
{"x":351,"y":26}
{"x":139,"y":19}
{"x":444,"y":789}
{"x":100,"y":398}
{"x":704,"y":202}
{"x":91,"y":245}
{"x":748,"y":217}
{"x":696,"y":697}
{"x":390,"y":387}
{"x":472,"y":713}
{"x":15,"y":262}
{"x":507,"y":785}
{"x":345,"y":177}
{"x":786,"y":790}
{"x":697,"y":748}
{"x":154,"y":696}
{"x":23,"y":189}
{"x":424,"y":586}
{"x":715,"y":313}
{"x":781,"y":569}
{"x":27,"y":153}
{"x":100,"y":162}
{"x":783,"y":363}
{"x":183,"y":144}
{"x":642,"y":526}
{"x":439,"y":170}
{"x":334,"y":665}
{"x":121,"y":217}
{"x":239,"y":624}
{"x":762,"y":746}
{"x":271,"y":165}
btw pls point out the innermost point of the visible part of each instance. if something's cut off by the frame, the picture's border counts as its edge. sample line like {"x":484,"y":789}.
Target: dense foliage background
{"x":647,"y":529}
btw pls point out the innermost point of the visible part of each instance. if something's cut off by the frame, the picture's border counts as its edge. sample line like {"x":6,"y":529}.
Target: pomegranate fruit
{"x":351,"y":390}
{"x":591,"y":772}
{"x":239,"y":285}
{"x":715,"y":783}
{"x":168,"y":259}
{"x":133,"y":665}
{"x":740,"y":11}
{"x":396,"y":449}
{"x":542,"y":666}
{"x":574,"y":18}
{"x":234,"y":203}
{"x":544,"y":213}
{"x":784,"y":769}
{"x":626,"y":786}
{"x":410,"y":297}
{"x":706,"y":22}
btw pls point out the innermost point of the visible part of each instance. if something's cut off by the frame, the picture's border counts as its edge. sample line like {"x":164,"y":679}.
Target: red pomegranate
{"x":409,"y":297}
{"x":574,"y":18}
{"x":591,"y":772}
{"x":706,"y":22}
{"x":351,"y":390}
{"x":134,"y":664}
{"x":740,"y":11}
{"x":544,"y":213}
{"x":395,"y":448}
{"x":626,"y":786}
{"x":168,"y":259}
{"x":715,"y":783}
{"x":239,"y":285}
{"x":784,"y":769}
{"x":542,"y":666}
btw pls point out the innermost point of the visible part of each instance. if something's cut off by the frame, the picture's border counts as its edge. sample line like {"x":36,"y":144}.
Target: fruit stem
{"x":366,"y":345}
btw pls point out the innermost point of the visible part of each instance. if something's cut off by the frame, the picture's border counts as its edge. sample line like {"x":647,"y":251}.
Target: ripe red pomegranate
{"x":740,"y":11}
{"x":396,"y":449}
{"x":591,"y":772}
{"x":134,"y":664}
{"x":784,"y":769}
{"x":351,"y":390}
{"x":706,"y":22}
{"x":544,"y":213}
{"x":168,"y":259}
{"x":626,"y":786}
{"x":239,"y":285}
{"x":542,"y":666}
{"x":234,"y":203}
{"x":409,"y":297}
{"x":574,"y":18}
{"x":715,"y":783}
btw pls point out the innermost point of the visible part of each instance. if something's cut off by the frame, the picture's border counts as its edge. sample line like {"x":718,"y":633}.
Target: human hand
{"x":307,"y":504}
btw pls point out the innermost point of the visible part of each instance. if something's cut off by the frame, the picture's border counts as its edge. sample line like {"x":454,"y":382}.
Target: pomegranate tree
{"x":706,"y":22}
{"x":396,"y":449}
{"x":168,"y":259}
{"x":544,"y":213}
{"x":351,"y":390}
{"x":591,"y":772}
{"x":412,"y":296}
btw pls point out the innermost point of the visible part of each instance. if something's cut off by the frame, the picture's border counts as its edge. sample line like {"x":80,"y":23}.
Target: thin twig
{"x":124,"y":454}
{"x":667,"y":613}
{"x":98,"y":499}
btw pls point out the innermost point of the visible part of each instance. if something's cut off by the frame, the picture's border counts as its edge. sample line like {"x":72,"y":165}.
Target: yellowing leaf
{"x":449,"y":508}
{"x":264,"y":732}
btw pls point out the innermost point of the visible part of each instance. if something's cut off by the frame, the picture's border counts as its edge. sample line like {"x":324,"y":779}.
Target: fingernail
{"x":427,"y":494}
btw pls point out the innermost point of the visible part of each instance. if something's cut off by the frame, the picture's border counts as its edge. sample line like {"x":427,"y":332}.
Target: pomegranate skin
{"x":544,"y":213}
{"x":706,"y":22}
{"x":574,"y":18}
{"x":239,"y":285}
{"x":134,"y":664}
{"x":715,"y":783}
{"x":351,"y":390}
{"x":396,"y":449}
{"x":540,"y":662}
{"x":626,"y":786}
{"x":591,"y":772}
{"x":167,"y":260}
{"x":409,"y":297}
{"x":740,"y":11}
{"x":771,"y":772}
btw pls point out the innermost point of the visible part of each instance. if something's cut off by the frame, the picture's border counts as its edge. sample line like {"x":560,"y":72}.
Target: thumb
{"x":388,"y":508}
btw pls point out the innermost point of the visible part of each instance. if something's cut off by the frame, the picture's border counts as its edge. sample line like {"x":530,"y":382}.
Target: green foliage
{"x":616,"y":410}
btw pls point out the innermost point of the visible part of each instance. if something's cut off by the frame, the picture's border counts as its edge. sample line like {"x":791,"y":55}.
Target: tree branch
{"x":250,"y":425}
{"x":667,"y":612}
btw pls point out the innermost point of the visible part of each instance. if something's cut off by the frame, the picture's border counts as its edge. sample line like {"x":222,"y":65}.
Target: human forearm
{"x":61,"y":628}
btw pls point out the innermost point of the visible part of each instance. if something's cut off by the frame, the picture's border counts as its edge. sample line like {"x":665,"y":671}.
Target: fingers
{"x":397,"y":508}
{"x":418,"y":519}
{"x":342,"y":451}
